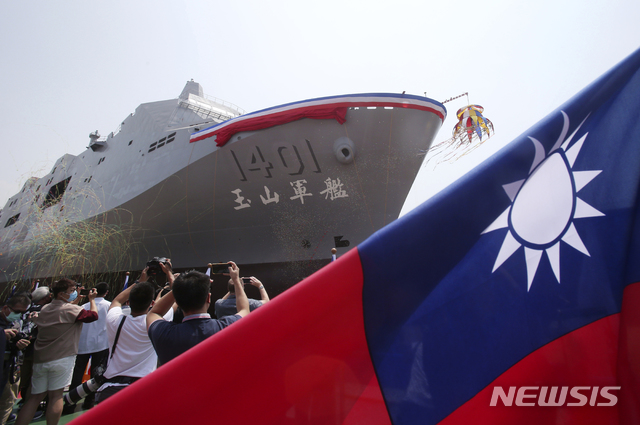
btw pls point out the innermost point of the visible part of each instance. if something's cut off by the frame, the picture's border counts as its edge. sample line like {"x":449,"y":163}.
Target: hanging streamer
{"x":471,"y":130}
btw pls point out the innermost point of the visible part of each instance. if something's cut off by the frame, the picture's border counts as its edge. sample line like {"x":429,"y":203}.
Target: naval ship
{"x":197,"y":180}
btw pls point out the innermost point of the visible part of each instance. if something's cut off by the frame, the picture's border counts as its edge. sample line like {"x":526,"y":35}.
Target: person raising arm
{"x":192,"y":293}
{"x":242,"y":301}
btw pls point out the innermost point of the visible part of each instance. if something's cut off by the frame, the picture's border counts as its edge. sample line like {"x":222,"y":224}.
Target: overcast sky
{"x":74,"y":66}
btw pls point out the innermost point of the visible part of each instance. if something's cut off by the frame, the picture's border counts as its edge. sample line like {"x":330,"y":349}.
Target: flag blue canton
{"x":441,"y":323}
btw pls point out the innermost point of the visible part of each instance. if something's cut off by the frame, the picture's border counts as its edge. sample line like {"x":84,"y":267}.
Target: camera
{"x":23,"y":335}
{"x":27,"y":331}
{"x":81,"y":391}
{"x":154,"y":265}
{"x":163,"y":291}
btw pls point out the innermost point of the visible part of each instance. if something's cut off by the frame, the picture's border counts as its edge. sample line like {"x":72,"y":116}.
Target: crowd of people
{"x":49,"y":339}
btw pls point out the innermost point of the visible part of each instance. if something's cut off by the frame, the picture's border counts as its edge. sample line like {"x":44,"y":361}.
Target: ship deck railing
{"x":229,"y":105}
{"x":206,"y":112}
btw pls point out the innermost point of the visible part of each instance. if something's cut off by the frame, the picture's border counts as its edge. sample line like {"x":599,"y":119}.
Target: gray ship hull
{"x":276,"y":200}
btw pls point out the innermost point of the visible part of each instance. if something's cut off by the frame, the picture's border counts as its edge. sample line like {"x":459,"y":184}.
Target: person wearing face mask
{"x":11,"y":312}
{"x":59,"y":326}
{"x":39,"y":298}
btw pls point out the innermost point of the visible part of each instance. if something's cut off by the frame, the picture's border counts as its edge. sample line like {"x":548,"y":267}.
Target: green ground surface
{"x":65,"y":419}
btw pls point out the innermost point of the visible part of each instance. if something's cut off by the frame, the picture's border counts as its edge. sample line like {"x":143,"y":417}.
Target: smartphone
{"x":84,"y":292}
{"x":219,"y":268}
{"x":246,"y":280}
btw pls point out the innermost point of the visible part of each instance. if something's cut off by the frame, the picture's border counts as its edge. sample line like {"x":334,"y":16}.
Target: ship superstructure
{"x":199,"y":181}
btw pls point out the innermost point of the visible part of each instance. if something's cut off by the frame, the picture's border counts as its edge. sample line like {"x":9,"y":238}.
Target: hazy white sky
{"x":71,"y":67}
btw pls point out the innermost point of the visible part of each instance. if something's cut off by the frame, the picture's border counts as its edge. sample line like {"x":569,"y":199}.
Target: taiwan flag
{"x":512,"y":297}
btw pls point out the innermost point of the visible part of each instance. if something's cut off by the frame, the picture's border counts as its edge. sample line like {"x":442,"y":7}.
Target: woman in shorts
{"x":59,"y":326}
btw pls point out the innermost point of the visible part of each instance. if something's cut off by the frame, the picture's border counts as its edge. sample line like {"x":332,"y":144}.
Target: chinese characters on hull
{"x":292,"y":159}
{"x":334,"y":189}
{"x":240,"y":200}
{"x":332,"y":192}
{"x":300,"y":190}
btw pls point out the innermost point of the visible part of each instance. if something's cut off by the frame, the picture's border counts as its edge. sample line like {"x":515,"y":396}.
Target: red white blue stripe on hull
{"x":333,"y":107}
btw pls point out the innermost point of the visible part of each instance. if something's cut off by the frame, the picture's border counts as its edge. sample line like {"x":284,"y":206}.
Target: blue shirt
{"x":172,"y":339}
{"x":228,"y":307}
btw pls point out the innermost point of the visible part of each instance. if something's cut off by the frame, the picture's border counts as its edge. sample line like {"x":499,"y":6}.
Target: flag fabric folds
{"x":518,"y":281}
{"x":126,"y":282}
{"x":523,"y":262}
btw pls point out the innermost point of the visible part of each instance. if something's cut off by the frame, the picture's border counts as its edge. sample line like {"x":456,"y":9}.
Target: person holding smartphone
{"x":226,"y":306}
{"x":93,"y":344}
{"x":132,"y":355}
{"x":191,"y":291}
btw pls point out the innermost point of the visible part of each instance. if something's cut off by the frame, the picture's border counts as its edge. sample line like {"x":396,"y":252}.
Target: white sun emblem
{"x":544,"y":206}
